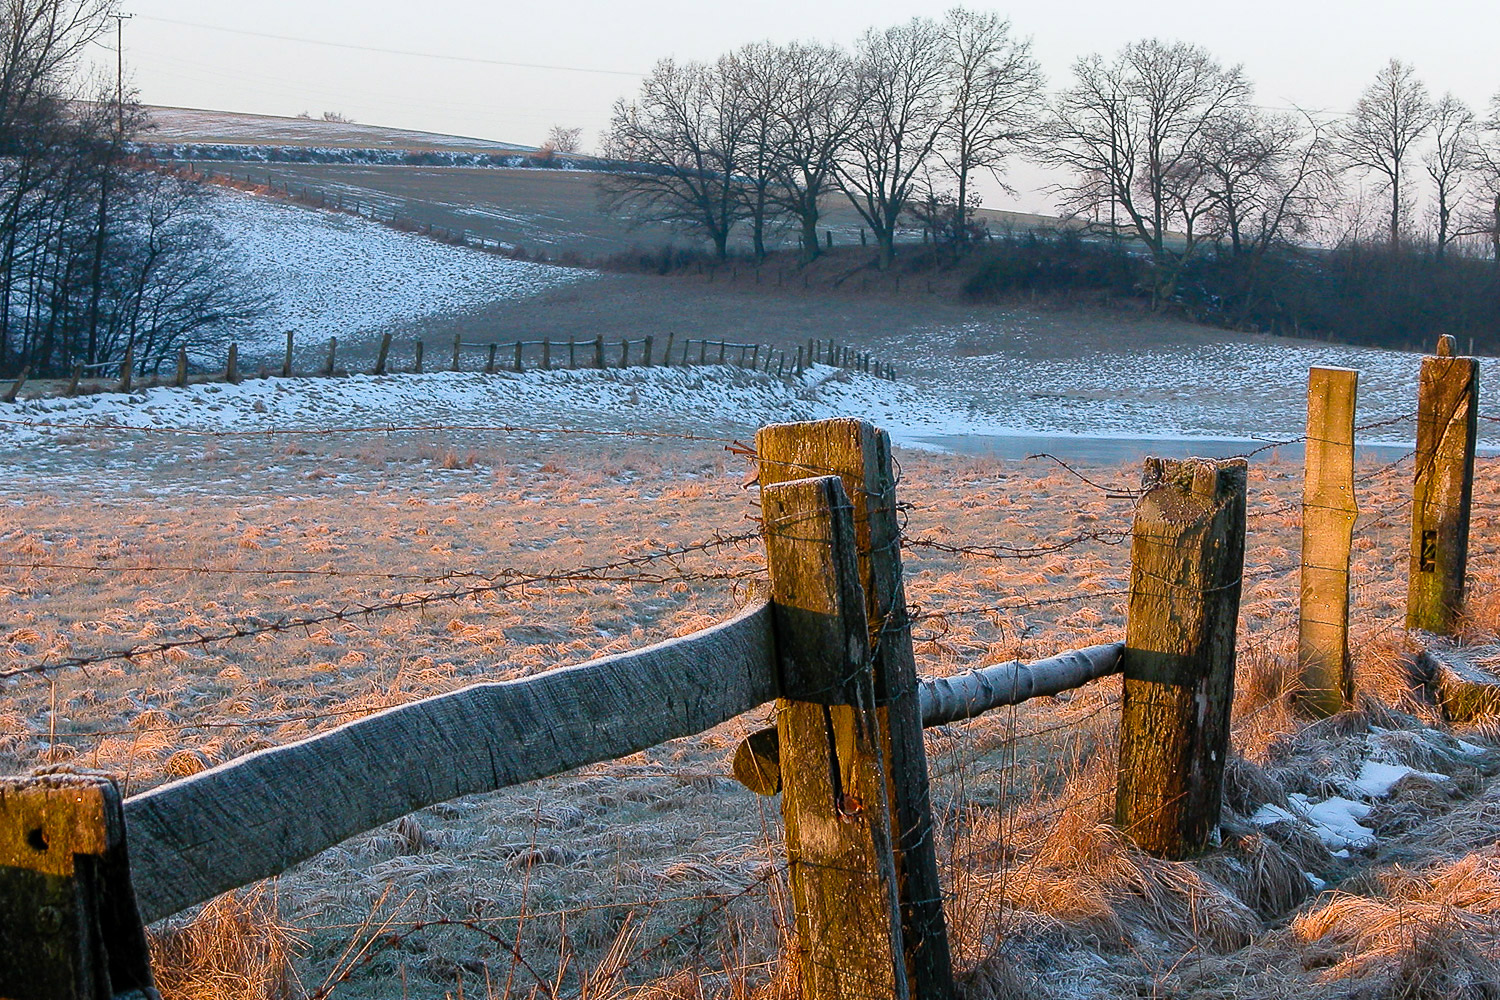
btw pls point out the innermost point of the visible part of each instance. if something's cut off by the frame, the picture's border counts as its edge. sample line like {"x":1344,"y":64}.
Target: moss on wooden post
{"x":69,"y":926}
{"x":1187,"y":556}
{"x":1447,"y":420}
{"x":1328,"y":513}
{"x":860,"y":454}
{"x":840,"y":864}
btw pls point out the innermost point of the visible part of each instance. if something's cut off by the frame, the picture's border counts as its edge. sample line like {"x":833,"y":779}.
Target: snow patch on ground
{"x":333,"y":275}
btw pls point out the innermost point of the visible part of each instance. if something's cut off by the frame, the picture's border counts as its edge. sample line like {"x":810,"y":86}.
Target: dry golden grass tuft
{"x":236,"y":947}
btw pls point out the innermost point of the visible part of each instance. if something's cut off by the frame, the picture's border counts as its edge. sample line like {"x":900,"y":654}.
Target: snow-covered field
{"x":333,"y":275}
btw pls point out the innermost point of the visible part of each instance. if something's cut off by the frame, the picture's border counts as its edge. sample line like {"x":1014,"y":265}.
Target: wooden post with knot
{"x":861,"y":456}
{"x":1328,"y":513}
{"x":1187,"y":556}
{"x":839,"y":854}
{"x":1447,"y":422}
{"x":69,"y":926}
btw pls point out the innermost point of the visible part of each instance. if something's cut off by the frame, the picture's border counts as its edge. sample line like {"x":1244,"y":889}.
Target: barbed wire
{"x":502,"y":581}
{"x":1107,"y":536}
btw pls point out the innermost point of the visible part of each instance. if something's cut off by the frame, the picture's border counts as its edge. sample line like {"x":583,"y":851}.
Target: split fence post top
{"x":840,"y":863}
{"x":69,"y":925}
{"x":1447,"y":346}
{"x":1187,"y":557}
{"x":1329,"y":510}
{"x":1447,"y":425}
{"x":860,"y":455}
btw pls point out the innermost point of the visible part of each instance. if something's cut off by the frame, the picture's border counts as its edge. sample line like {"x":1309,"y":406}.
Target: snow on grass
{"x":333,"y":275}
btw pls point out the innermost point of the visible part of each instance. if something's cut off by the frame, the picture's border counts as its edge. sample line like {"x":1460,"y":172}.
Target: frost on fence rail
{"x":260,"y":814}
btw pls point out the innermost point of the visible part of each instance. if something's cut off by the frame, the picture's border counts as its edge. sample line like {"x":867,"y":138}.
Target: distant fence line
{"x":498,"y":356}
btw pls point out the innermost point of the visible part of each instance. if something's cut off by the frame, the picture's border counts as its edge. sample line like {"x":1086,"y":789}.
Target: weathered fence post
{"x":180,"y":377}
{"x":333,"y":349}
{"x":834,"y":799}
{"x":625,"y":353}
{"x":703,"y":351}
{"x":489,"y":364}
{"x":384,"y":352}
{"x":599,"y":351}
{"x":687,"y":345}
{"x":458,"y":343}
{"x":666,"y":354}
{"x":127,"y":368}
{"x":572,"y":353}
{"x":1186,"y":556}
{"x":861,"y":455}
{"x":646,"y":351}
{"x":232,"y":364}
{"x":1328,"y":513}
{"x":69,"y":926}
{"x":547,"y":354}
{"x":723,"y":346}
{"x":15,"y":389}
{"x":286,"y":359}
{"x":78,"y":374}
{"x":517,"y":360}
{"x":416,"y":364}
{"x":1447,"y":420}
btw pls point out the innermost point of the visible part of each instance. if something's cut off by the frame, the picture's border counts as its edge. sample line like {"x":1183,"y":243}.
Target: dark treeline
{"x":1378,"y":225}
{"x":100,"y":255}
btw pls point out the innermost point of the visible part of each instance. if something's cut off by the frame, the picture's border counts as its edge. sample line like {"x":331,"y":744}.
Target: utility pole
{"x":120,"y":20}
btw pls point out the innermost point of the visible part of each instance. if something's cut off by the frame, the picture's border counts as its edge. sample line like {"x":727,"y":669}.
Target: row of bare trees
{"x":1160,"y":144}
{"x":768,"y":132}
{"x":99,"y":256}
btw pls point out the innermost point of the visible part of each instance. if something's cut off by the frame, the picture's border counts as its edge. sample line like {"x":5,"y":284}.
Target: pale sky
{"x":1314,"y":53}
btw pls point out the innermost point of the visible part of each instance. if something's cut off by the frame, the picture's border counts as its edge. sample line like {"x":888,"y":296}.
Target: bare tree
{"x":1390,"y":117}
{"x":995,"y":86}
{"x":686,"y":131}
{"x":1452,"y":156}
{"x":810,"y":120}
{"x":1138,"y":134}
{"x":1271,"y":177}
{"x":1484,"y":217}
{"x":901,"y":79}
{"x":756,"y":80}
{"x":564,"y":140}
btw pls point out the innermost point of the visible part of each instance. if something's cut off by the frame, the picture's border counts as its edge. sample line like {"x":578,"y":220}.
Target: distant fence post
{"x":546,"y":353}
{"x":666,"y":354}
{"x":15,"y":389}
{"x":723,"y":346}
{"x":517,"y":364}
{"x":380,"y":357}
{"x":703,"y":351}
{"x":798,"y":366}
{"x":127,"y":368}
{"x":69,"y":926}
{"x":1447,"y":421}
{"x":599,"y":351}
{"x":1328,"y":513}
{"x":458,"y":343}
{"x":861,"y":455}
{"x":180,"y":376}
{"x":572,"y":353}
{"x":489,"y":364}
{"x":1186,"y":559}
{"x":286,"y":360}
{"x":416,"y":364}
{"x":646,"y":351}
{"x":333,"y":350}
{"x":625,"y":352}
{"x":232,"y":364}
{"x":838,"y":843}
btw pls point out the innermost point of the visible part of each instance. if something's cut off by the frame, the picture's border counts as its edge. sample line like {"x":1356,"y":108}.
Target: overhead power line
{"x":385,"y":51}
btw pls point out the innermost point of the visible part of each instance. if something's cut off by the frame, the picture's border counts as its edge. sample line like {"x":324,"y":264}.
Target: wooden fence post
{"x":232,"y":364}
{"x":599,"y":351}
{"x":489,"y":364}
{"x":458,"y":343}
{"x":15,"y":389}
{"x":1328,"y":513}
{"x":77,"y":375}
{"x":286,"y":360}
{"x":180,"y":377}
{"x":546,"y":353}
{"x":572,"y":353}
{"x":1447,"y":420}
{"x":666,"y":354}
{"x":333,"y":350}
{"x":1186,"y":559}
{"x":687,"y":345}
{"x":861,"y":455}
{"x":723,"y":346}
{"x":416,"y":365}
{"x":646,"y":351}
{"x":517,"y":364}
{"x":703,"y":351}
{"x":625,"y":353}
{"x":380,"y":357}
{"x":69,"y":926}
{"x":839,"y":857}
{"x":127,"y":368}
